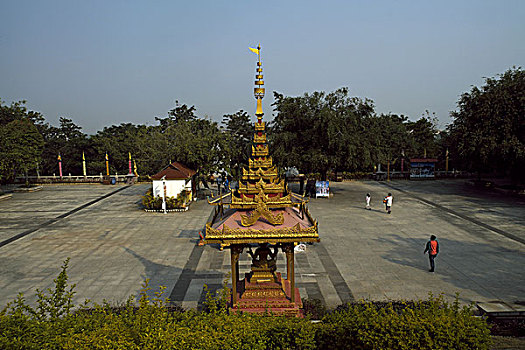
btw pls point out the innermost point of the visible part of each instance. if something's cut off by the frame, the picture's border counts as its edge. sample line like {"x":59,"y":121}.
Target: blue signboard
{"x":422,"y":170}
{"x":322,"y":189}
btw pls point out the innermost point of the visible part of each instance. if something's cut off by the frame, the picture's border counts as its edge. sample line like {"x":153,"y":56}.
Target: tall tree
{"x":21,"y":146}
{"x":18,"y":110}
{"x":196,"y":142}
{"x":387,"y":138}
{"x":120,"y":140}
{"x":69,"y":141}
{"x":238,"y":133}
{"x":20,"y":139}
{"x":317,"y":132}
{"x":423,"y":134}
{"x":489,"y":126}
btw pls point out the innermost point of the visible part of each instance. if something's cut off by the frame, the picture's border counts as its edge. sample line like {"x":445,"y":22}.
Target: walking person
{"x":432,"y":248}
{"x":368,"y":201}
{"x":227,"y":180}
{"x":388,"y":203}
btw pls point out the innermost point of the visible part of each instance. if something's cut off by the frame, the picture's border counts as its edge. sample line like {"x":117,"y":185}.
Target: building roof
{"x":227,"y":229}
{"x":423,"y":160}
{"x":174,"y":171}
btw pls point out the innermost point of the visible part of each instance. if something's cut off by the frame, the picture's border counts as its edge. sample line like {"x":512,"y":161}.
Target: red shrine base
{"x":268,"y":298}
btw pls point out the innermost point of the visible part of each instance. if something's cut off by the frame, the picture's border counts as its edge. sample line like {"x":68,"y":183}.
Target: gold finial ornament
{"x":259,"y":90}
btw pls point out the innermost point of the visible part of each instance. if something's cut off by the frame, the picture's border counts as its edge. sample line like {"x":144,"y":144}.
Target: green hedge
{"x":430,"y":324}
{"x":357,"y":175}
{"x":150,"y":324}
{"x":155,"y":203}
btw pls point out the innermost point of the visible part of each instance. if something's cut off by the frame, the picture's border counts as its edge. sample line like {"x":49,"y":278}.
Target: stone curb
{"x":5,"y":196}
{"x":30,"y":189}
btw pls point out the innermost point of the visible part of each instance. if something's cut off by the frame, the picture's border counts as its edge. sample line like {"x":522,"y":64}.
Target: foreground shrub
{"x":431,"y":324}
{"x":149,"y":323}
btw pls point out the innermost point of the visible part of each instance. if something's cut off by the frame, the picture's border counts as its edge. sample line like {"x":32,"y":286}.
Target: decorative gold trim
{"x":260,"y":152}
{"x":259,"y":139}
{"x":269,"y":187}
{"x":260,"y":126}
{"x":256,"y":294}
{"x":277,"y":235}
{"x":255,"y":173}
{"x":260,"y":163}
{"x":250,"y":203}
{"x":261,"y":210}
{"x":259,"y":92}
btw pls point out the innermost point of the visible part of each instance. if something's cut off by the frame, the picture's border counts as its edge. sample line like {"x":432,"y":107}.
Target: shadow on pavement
{"x":483,"y":268}
{"x":158,"y":274}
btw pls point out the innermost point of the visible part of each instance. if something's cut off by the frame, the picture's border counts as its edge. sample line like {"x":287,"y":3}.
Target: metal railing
{"x":69,"y":179}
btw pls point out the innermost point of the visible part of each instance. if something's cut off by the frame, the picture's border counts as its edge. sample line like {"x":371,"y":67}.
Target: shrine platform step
{"x":273,"y":298}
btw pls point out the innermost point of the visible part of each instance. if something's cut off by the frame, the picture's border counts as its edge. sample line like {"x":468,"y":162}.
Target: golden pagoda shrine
{"x":262,"y":214}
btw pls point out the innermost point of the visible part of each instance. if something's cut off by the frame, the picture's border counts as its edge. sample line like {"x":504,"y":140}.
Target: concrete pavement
{"x":114,"y":246}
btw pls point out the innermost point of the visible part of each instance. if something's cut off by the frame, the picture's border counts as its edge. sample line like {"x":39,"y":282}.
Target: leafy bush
{"x":314,"y":308}
{"x":150,"y":323}
{"x":155,"y":203}
{"x":358,"y":175}
{"x":431,"y":324}
{"x":316,"y":176}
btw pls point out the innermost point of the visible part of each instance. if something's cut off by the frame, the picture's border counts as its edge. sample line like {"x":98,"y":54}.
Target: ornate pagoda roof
{"x":296,"y":227}
{"x":263,"y":209}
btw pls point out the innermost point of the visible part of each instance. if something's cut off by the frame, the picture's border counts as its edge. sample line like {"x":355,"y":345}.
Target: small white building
{"x":176,"y":177}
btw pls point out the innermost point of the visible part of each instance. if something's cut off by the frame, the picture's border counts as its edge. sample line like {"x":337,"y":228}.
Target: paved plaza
{"x":364,"y":254}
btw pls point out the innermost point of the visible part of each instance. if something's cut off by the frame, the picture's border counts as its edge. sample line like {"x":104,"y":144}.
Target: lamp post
{"x":164,"y":194}
{"x":446,"y":163}
{"x":402,"y":161}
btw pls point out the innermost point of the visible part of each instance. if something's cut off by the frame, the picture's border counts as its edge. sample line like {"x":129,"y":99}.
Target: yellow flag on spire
{"x":254,"y":50}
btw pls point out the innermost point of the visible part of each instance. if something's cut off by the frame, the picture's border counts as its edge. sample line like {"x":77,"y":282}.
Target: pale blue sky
{"x":107,"y":62}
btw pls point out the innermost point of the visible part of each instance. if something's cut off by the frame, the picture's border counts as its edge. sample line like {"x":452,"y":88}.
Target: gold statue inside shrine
{"x":264,"y":212}
{"x":263,"y":264}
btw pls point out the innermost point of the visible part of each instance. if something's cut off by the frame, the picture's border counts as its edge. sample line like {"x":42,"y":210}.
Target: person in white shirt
{"x":368,"y":201}
{"x":389,"y":200}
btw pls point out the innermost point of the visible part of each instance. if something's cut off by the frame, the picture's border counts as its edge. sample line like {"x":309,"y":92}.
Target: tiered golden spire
{"x":259,"y":90}
{"x":261,"y":177}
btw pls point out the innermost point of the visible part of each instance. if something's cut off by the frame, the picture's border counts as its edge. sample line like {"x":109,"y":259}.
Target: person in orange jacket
{"x":432,"y":248}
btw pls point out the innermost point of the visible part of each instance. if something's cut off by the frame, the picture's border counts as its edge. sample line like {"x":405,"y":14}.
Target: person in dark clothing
{"x":432,"y":248}
{"x":310,"y":188}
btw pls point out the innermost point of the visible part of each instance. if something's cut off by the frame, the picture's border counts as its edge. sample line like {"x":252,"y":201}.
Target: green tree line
{"x":316,"y":133}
